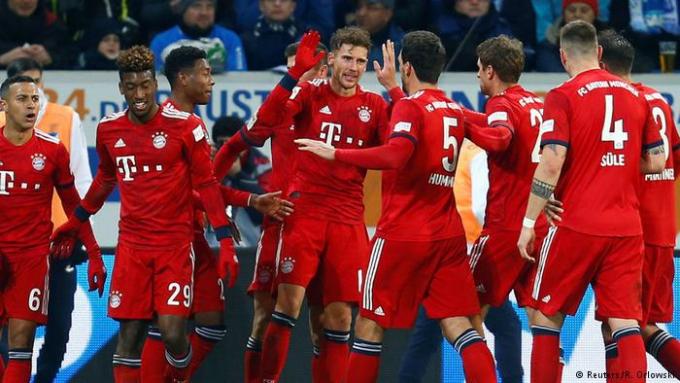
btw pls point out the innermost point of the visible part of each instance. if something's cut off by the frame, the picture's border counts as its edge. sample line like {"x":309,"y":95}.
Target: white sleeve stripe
{"x":497,"y":116}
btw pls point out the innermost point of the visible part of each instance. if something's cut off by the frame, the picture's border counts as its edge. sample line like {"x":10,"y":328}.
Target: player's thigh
{"x":173,"y":281}
{"x":265,"y":258}
{"x":26,"y":294}
{"x":131,"y":290}
{"x":208,"y":292}
{"x":302,"y":242}
{"x":343,"y":263}
{"x":567,"y":263}
{"x":657,"y":284}
{"x":451,"y":269}
{"x":398,"y":275}
{"x":618,"y":282}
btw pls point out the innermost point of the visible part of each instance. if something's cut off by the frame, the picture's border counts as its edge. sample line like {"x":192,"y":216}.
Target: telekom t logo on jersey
{"x":6,"y":178}
{"x":330,"y":132}
{"x":127,"y":166}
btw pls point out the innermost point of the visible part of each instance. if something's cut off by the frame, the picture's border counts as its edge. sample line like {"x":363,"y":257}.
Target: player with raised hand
{"x":156,"y":155}
{"x":32,"y":165}
{"x":598,"y":134}
{"x":415,"y":259}
{"x":326,"y":235}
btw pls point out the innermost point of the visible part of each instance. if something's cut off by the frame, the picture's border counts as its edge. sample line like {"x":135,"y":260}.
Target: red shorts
{"x":265,"y":258}
{"x":208,"y":287}
{"x":151,"y":281}
{"x":403,"y":274}
{"x":657,"y":284}
{"x":569,"y":261}
{"x":26,"y":294}
{"x":498,"y":268}
{"x":339,"y":252}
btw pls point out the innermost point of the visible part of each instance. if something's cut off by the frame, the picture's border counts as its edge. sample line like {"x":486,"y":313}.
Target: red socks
{"x":19,"y":366}
{"x":335,"y":355}
{"x":203,"y":339}
{"x":275,"y":346}
{"x":153,"y":357}
{"x":632,"y":359}
{"x":545,"y":356}
{"x":364,"y":362}
{"x":317,"y":368}
{"x":251,"y":364}
{"x":126,"y":370}
{"x":478,"y":362}
{"x":177,"y":369}
{"x":666,"y":349}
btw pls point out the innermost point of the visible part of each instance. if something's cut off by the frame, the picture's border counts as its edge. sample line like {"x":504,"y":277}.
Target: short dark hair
{"x":426,"y":54}
{"x":617,"y":52}
{"x":506,"y":56}
{"x":351,"y":35}
{"x":291,"y":50}
{"x":136,"y":59}
{"x":180,"y":59}
{"x":226,"y":127}
{"x":578,"y":37}
{"x":22,"y":65}
{"x":4,"y":88}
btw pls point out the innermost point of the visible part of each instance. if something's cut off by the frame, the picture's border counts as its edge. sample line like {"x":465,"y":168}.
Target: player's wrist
{"x":223,"y":232}
{"x":528,"y":223}
{"x":290,"y":79}
{"x":81,"y":214}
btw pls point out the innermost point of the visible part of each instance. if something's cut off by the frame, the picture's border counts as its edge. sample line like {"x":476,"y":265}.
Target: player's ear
{"x":120,"y":88}
{"x":331,"y":58}
{"x":599,"y":53}
{"x":3,"y":105}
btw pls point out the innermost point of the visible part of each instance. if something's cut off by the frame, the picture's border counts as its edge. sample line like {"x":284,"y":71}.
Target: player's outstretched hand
{"x":96,"y":271}
{"x":387,"y":74}
{"x":525,"y":244}
{"x":553,"y":211}
{"x":64,"y":238}
{"x":319,"y":148}
{"x":227,"y":264}
{"x":306,"y":57}
{"x":272,"y":205}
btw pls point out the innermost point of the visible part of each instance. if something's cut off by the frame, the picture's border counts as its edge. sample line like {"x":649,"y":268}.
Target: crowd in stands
{"x":252,"y":34}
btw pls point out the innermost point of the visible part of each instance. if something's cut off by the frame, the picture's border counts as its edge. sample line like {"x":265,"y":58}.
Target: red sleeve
{"x":490,"y":139}
{"x":555,"y":127}
{"x":63,"y":177}
{"x":198,"y":154}
{"x":497,"y":136}
{"x":69,"y":200}
{"x":396,"y":94}
{"x":651,"y":136}
{"x":284,"y":101}
{"x":227,"y":154}
{"x":103,"y":183}
{"x":499,"y":113}
{"x":474,"y":117}
{"x":235,"y":197}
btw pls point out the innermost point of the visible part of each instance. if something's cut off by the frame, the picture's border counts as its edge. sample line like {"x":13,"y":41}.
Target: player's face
{"x":139,"y":90}
{"x":22,"y":104}
{"x":579,"y":11}
{"x":483,"y":77}
{"x":200,"y":14}
{"x":199,"y":82}
{"x":403,"y":71}
{"x":319,"y":71}
{"x":348,"y":63}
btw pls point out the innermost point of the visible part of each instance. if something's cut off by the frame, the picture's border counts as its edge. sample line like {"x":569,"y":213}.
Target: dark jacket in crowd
{"x":266,"y":43}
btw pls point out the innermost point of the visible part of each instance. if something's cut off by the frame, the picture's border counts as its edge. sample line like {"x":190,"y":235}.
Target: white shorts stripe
{"x":477,"y":252}
{"x":543,"y":259}
{"x":370,"y":275}
{"x":278,"y":251}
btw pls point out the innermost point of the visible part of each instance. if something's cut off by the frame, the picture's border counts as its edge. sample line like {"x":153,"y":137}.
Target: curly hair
{"x":136,"y":59}
{"x":350,"y":35}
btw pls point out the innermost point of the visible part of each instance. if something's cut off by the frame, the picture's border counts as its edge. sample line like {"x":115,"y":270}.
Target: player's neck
{"x":339,"y":90}
{"x":501,"y":87}
{"x":17,"y":136}
{"x":146,"y":118}
{"x":182,"y":102}
{"x":576,"y":68}
{"x":417,"y":86}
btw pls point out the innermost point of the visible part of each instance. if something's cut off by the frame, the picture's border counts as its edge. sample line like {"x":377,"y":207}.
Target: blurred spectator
{"x":548,"y":51}
{"x":645,"y":24}
{"x":408,"y":15}
{"x":548,"y":11}
{"x":274,"y":31}
{"x":375,"y":16}
{"x":250,"y":173}
{"x":464,"y":24}
{"x":521,"y":17}
{"x":29,"y":30}
{"x":314,"y":14}
{"x":102,"y":46}
{"x":197,"y":28}
{"x":159,"y":15}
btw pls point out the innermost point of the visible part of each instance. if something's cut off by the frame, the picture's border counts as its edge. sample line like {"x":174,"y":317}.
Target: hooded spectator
{"x":376,"y":17}
{"x":102,"y":46}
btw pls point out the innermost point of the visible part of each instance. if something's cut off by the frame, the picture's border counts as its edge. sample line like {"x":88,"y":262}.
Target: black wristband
{"x":223,"y":232}
{"x":82,"y":214}
{"x":288,"y":82}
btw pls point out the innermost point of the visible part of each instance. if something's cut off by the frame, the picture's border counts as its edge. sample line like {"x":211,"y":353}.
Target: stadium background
{"x":95,"y":94}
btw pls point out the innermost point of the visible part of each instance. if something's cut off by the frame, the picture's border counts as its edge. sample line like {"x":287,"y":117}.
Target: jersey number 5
{"x":450,"y":141}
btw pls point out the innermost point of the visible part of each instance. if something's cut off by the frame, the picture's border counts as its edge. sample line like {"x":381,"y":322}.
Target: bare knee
{"x":174,"y":333}
{"x":289,"y":299}
{"x":368,"y":330}
{"x":131,"y":338}
{"x":263,"y":306}
{"x":337,"y":316}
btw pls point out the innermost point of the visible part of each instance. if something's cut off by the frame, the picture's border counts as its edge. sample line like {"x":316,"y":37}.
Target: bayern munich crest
{"x":159,"y":140}
{"x":364,"y":113}
{"x":287,"y":265}
{"x":114,"y":299}
{"x":38,"y":161}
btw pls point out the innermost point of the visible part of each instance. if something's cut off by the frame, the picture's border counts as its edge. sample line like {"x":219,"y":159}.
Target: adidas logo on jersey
{"x":325,"y":110}
{"x":379,"y":311}
{"x":546,"y":299}
{"x":119,"y":144}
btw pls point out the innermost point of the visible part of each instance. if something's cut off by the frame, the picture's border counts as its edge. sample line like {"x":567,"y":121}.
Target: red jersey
{"x":606,"y":124}
{"x":511,"y":171}
{"x":657,"y":198}
{"x":332,"y":190}
{"x":418,"y":200}
{"x":155,"y":164}
{"x":28,"y":175}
